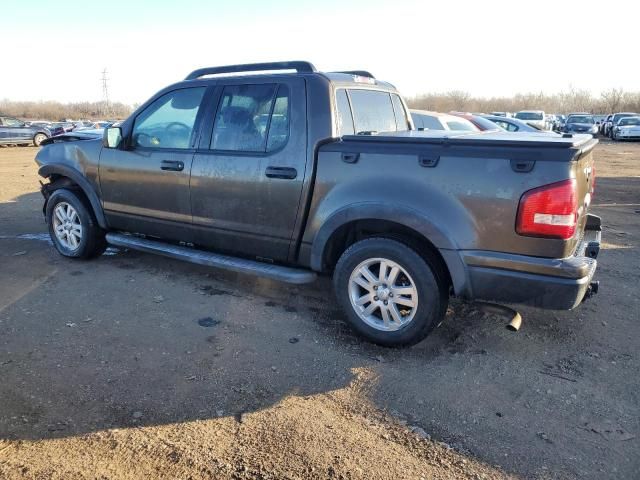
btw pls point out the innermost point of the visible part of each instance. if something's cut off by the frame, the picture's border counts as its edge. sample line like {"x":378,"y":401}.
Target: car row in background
{"x":14,"y":131}
{"x":463,"y":121}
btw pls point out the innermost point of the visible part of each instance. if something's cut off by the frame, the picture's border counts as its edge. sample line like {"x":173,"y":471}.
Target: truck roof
{"x":295,"y":67}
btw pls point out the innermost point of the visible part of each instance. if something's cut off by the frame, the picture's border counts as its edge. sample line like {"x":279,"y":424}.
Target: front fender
{"x":46,"y":171}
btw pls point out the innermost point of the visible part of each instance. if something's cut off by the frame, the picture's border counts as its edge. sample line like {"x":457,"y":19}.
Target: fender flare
{"x":402,"y":215}
{"x":405,"y":216}
{"x":77,"y":177}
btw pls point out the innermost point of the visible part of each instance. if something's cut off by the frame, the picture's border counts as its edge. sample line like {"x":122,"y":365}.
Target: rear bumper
{"x":559,"y":284}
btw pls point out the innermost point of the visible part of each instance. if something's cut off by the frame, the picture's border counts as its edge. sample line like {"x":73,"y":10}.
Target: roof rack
{"x":298,"y":66}
{"x":362,"y":73}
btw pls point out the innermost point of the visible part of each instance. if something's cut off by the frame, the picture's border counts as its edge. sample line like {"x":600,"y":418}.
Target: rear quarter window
{"x":372,"y":111}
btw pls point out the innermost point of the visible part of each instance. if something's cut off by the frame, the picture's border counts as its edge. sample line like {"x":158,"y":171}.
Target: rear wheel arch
{"x":331,"y":243}
{"x":61,"y":176}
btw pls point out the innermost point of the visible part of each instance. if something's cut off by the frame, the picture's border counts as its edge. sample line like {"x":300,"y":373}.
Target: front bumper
{"x":558,"y":284}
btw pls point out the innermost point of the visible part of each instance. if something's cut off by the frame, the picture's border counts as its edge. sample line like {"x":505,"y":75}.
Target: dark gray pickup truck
{"x":282,"y":171}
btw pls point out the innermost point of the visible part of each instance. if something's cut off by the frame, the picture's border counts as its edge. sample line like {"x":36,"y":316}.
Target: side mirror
{"x":112,"y":137}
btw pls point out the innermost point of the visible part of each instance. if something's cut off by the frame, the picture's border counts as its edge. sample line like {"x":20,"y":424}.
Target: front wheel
{"x":73,"y":227}
{"x":392,"y":295}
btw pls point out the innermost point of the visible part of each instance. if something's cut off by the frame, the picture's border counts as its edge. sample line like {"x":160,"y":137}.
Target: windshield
{"x":461,"y":125}
{"x":530,"y":116}
{"x":486,"y":124}
{"x":618,"y":116}
{"x":629,"y":121}
{"x":580,"y":119}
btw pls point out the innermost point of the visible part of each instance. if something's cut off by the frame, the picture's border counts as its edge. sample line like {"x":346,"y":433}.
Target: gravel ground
{"x":135,"y":366}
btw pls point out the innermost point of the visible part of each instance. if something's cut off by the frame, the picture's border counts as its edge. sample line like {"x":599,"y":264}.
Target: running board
{"x":201,"y":257}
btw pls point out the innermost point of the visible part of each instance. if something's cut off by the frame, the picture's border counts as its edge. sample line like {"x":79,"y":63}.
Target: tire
{"x":91,"y":240}
{"x":38,"y":138}
{"x":425,"y":278}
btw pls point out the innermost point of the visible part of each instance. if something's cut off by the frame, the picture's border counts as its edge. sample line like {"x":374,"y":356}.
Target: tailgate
{"x":584,"y":172}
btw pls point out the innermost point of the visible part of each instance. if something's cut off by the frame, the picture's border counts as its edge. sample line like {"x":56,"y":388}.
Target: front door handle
{"x":173,"y":165}
{"x":286,"y":173}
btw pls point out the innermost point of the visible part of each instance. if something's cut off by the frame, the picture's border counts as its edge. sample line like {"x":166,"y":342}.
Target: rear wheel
{"x":72,"y":226}
{"x":392,"y":296}
{"x":38,"y":138}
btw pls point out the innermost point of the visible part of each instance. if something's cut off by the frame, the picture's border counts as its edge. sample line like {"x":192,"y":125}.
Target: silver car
{"x":627,"y":128}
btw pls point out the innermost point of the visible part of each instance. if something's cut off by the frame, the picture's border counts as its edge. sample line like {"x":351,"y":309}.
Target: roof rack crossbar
{"x":362,"y":73}
{"x":298,"y":66}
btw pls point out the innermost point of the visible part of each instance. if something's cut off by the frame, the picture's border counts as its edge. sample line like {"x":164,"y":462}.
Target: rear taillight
{"x":549,"y":211}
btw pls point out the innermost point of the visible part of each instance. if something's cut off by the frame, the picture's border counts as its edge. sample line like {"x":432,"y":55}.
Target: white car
{"x":627,"y":128}
{"x":536,"y":118}
{"x":424,"y":120}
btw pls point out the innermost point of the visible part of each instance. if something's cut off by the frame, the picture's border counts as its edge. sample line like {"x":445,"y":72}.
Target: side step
{"x":201,"y":257}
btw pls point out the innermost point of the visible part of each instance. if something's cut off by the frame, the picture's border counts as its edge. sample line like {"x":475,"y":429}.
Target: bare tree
{"x":612,"y":98}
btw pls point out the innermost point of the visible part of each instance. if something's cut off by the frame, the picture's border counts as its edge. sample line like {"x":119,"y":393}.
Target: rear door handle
{"x":172,"y":165}
{"x":286,"y":173}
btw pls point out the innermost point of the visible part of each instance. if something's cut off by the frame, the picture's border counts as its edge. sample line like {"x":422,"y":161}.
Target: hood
{"x":89,"y":134}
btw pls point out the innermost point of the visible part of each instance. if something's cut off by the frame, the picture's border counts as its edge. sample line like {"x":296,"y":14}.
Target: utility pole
{"x":105,"y":94}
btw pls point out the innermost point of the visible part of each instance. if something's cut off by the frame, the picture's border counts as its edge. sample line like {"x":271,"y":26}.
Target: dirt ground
{"x":135,"y":366}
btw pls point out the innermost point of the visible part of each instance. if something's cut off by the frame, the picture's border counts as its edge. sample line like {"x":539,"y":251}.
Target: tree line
{"x":55,"y":111}
{"x":573,"y":100}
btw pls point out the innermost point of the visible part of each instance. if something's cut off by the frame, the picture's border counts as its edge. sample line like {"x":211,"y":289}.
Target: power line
{"x":105,"y":93}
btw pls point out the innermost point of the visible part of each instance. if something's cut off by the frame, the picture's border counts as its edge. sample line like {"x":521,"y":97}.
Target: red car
{"x":482,"y":123}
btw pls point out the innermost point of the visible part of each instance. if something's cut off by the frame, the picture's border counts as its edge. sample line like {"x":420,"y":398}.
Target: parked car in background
{"x":425,"y":120}
{"x":533,"y":117}
{"x":627,"y":128}
{"x":550,"y":119}
{"x":559,"y":123}
{"x":480,"y":122}
{"x":581,"y":123}
{"x":500,"y":114}
{"x":604,"y":125}
{"x":615,"y":119}
{"x":511,"y":124}
{"x":102,"y":124}
{"x":400,"y":219}
{"x":16,"y":132}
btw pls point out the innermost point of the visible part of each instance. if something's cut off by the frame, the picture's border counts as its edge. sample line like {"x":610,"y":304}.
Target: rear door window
{"x":243,"y":117}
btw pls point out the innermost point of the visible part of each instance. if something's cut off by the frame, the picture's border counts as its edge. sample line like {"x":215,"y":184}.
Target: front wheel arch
{"x":68,"y":176}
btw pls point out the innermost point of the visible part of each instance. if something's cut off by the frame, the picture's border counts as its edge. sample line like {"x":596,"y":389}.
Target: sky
{"x":58,"y":49}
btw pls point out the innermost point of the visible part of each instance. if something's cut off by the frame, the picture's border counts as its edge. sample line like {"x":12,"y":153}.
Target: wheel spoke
{"x":397,"y":318}
{"x":366,"y":273}
{"x":385,"y":316}
{"x":382,"y":275}
{"x":403,"y":291}
{"x":407,"y":302}
{"x":370,"y":309}
{"x":364,"y":299}
{"x":59,"y":229}
{"x":393,"y":275}
{"x":363,"y":283}
{"x":60,"y":214}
